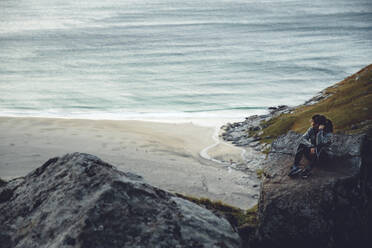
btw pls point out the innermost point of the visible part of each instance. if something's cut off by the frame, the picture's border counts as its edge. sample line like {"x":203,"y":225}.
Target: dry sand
{"x":164,"y":154}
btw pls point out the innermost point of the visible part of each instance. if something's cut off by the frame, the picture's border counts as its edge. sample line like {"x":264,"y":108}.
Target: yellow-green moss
{"x":250,"y":216}
{"x":349,"y":103}
{"x":234,"y":215}
{"x":260,"y":173}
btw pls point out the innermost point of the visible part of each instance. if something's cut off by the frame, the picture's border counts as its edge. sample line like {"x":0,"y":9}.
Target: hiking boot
{"x":294,"y":171}
{"x":305,"y":173}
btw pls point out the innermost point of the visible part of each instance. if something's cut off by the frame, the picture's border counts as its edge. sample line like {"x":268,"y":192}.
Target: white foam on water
{"x":208,"y":119}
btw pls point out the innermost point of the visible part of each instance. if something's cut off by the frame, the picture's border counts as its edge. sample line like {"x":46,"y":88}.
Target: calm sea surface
{"x":175,"y":59}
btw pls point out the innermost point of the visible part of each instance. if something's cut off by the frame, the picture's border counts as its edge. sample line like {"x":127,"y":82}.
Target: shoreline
{"x":205,"y":119}
{"x":230,"y":160}
{"x":173,"y":150}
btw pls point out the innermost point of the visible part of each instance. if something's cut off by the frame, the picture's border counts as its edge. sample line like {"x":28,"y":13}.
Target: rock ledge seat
{"x":331,"y":208}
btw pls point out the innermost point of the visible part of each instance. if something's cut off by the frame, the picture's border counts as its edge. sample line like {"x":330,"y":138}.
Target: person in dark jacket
{"x":313,"y":145}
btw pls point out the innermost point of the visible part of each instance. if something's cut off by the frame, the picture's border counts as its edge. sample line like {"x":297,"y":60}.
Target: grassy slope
{"x":349,"y":104}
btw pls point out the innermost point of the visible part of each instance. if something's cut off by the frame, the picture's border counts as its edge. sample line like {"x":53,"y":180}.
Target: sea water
{"x":173,"y":59}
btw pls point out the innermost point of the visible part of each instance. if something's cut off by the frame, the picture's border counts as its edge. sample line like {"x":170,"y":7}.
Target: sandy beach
{"x":166,"y":155}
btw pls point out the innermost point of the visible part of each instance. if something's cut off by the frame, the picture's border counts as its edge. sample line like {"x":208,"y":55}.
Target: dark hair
{"x":319,"y":119}
{"x":328,"y":127}
{"x":322,"y":120}
{"x":314,"y":118}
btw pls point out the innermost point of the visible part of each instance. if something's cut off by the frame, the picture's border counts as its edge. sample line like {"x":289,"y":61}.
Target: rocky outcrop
{"x":240,"y":133}
{"x":331,"y":208}
{"x":80,"y":201}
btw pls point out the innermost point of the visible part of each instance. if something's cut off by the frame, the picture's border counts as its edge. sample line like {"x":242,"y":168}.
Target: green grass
{"x":236,"y":216}
{"x":350,"y":103}
{"x":260,"y":173}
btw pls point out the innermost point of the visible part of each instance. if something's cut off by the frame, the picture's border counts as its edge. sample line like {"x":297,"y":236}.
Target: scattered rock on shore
{"x":239,"y":133}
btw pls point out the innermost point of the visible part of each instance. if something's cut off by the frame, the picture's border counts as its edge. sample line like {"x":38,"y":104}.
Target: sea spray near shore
{"x":210,"y":119}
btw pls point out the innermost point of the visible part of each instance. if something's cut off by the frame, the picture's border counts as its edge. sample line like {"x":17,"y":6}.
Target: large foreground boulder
{"x":331,"y":208}
{"x":80,"y":201}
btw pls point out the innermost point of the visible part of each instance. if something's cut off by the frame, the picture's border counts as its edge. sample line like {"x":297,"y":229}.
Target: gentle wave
{"x":210,"y":119}
{"x":175,"y":59}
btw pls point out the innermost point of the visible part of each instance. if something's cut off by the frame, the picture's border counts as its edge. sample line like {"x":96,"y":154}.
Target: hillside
{"x":348,"y":104}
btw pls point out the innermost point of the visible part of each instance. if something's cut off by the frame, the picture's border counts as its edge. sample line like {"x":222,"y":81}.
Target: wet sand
{"x":166,"y":155}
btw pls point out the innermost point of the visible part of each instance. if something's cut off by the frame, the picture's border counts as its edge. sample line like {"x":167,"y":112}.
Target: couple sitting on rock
{"x":314,"y":145}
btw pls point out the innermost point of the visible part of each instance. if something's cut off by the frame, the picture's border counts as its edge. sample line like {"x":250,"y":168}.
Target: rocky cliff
{"x":347,"y":103}
{"x":331,"y":208}
{"x":80,"y":201}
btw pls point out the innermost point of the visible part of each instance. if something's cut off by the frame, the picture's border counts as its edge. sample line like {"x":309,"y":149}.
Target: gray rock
{"x":80,"y":201}
{"x":332,"y":208}
{"x":237,"y":133}
{"x":254,"y":143}
{"x":242,"y":142}
{"x":254,"y":128}
{"x":317,"y":98}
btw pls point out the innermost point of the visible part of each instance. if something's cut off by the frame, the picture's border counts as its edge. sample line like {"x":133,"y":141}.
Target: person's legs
{"x":301,"y":150}
{"x":312,"y":161}
{"x":311,"y":157}
{"x":320,"y":158}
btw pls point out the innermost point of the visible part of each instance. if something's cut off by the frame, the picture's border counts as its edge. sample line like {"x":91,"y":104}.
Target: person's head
{"x":317,"y":120}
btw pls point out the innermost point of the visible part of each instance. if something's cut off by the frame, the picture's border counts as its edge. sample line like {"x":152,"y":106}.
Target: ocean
{"x":175,"y":60}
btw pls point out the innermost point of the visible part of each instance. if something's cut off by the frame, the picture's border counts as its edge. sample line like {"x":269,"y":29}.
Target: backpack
{"x":328,"y":127}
